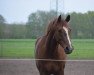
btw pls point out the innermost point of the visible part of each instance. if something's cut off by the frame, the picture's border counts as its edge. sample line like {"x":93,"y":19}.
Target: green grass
{"x":24,"y":48}
{"x":83,"y":49}
{"x":17,"y":48}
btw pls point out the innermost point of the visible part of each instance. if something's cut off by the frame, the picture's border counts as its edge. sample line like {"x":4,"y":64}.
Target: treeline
{"x":82,"y":25}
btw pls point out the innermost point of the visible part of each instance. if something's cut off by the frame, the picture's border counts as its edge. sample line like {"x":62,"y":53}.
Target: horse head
{"x":62,"y":34}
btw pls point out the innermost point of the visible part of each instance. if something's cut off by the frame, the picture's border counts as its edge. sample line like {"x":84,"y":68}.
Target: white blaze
{"x":66,"y":30}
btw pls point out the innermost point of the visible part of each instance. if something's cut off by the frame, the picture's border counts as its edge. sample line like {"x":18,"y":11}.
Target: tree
{"x":2,"y":26}
{"x":2,"y":20}
{"x":82,"y":25}
{"x":37,"y":23}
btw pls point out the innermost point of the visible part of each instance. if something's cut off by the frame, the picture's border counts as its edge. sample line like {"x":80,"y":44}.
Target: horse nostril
{"x":68,"y":50}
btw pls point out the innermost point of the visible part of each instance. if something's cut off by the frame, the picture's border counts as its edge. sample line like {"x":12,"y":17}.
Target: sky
{"x":17,"y":11}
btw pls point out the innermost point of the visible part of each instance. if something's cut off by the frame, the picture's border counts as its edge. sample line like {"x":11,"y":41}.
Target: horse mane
{"x":52,"y":25}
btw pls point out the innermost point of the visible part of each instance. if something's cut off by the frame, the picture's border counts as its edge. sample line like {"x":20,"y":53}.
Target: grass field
{"x":17,"y":48}
{"x":24,"y":48}
{"x":83,"y":49}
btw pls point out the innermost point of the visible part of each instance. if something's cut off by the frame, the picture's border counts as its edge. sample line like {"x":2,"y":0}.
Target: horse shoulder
{"x":39,"y":41}
{"x":40,"y":46}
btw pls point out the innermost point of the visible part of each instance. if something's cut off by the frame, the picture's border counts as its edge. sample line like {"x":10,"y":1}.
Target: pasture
{"x":24,"y":48}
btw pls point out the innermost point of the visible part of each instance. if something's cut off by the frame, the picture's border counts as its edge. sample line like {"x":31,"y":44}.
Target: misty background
{"x":26,"y":19}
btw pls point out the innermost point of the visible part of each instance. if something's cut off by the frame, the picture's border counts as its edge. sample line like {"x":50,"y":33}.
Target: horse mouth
{"x":68,"y":50}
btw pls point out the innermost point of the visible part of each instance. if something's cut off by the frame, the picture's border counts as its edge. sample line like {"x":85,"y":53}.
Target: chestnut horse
{"x":54,"y":45}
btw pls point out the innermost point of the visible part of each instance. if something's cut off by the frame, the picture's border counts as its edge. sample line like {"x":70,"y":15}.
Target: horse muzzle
{"x":68,"y":50}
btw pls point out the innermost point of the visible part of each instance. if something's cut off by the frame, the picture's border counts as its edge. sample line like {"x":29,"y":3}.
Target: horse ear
{"x":59,"y":18}
{"x":67,"y":18}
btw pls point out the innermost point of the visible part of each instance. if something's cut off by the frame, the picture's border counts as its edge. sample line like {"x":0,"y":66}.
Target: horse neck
{"x":51,"y":46}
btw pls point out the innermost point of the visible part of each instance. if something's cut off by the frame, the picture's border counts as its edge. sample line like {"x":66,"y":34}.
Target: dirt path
{"x":27,"y":67}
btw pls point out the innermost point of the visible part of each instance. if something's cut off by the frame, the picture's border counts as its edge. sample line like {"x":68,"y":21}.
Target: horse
{"x":54,"y":46}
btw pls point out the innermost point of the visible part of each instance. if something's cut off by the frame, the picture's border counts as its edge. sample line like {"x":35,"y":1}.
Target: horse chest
{"x":52,"y":66}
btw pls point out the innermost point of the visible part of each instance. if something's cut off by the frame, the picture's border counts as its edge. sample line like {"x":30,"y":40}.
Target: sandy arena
{"x":28,"y":67}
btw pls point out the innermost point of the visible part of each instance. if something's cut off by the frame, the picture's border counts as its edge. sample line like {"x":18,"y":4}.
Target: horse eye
{"x":65,"y":34}
{"x":60,"y":31}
